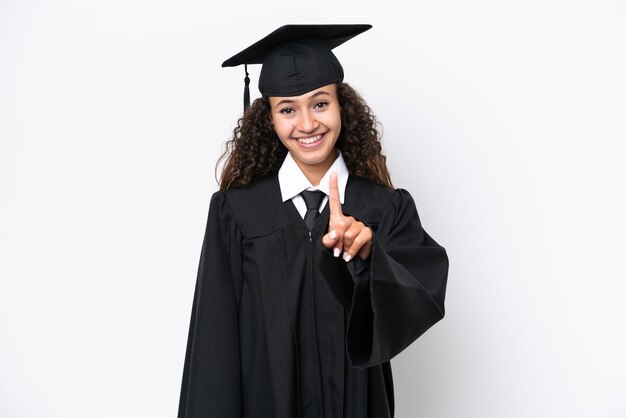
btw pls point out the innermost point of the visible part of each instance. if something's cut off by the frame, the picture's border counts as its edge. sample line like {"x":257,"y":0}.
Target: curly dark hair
{"x":255,"y":150}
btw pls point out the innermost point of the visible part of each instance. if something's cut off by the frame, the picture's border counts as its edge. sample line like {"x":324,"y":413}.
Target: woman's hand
{"x":345,"y":234}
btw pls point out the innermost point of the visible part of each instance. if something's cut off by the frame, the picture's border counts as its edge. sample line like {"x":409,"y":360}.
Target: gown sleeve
{"x":398,"y":293}
{"x":211,"y":385}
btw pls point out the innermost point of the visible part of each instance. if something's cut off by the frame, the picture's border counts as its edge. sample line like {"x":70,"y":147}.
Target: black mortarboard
{"x":296,"y":58}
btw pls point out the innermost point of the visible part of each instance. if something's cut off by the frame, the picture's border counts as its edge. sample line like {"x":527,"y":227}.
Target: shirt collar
{"x":292,"y":180}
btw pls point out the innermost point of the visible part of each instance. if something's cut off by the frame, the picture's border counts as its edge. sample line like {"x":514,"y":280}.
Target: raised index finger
{"x":334,"y":201}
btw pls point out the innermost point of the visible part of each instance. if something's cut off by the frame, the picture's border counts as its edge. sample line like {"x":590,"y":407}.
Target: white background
{"x":505,"y":120}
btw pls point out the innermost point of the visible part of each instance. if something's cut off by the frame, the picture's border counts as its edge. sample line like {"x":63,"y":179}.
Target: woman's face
{"x":309,"y":125}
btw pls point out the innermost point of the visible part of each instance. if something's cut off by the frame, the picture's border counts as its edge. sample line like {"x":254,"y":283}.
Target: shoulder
{"x":256,"y":188}
{"x":373,"y":201}
{"x":360,"y":186}
{"x":242,"y":196}
{"x":254,"y":204}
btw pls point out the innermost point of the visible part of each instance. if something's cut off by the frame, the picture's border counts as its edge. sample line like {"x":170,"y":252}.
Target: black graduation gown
{"x":282,"y":329}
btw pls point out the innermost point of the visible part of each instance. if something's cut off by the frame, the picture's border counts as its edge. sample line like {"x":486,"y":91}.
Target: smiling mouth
{"x":309,"y":139}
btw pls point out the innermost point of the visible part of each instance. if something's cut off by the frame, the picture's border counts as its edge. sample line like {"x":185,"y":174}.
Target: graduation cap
{"x":296,"y":59}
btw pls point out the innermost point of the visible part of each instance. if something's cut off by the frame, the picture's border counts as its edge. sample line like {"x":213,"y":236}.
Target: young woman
{"x":314,"y":271}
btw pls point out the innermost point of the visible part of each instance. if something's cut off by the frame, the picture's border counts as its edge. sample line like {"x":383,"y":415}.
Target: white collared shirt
{"x":292,"y":181}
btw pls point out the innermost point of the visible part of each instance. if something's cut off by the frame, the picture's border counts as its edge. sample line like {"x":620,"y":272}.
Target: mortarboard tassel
{"x":246,"y":90}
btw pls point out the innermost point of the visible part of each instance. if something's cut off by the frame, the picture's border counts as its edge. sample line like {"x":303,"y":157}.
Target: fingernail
{"x":336,"y":252}
{"x":333,"y":235}
{"x":347,"y":257}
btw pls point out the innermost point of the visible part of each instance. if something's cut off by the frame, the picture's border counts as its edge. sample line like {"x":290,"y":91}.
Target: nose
{"x":307,"y":122}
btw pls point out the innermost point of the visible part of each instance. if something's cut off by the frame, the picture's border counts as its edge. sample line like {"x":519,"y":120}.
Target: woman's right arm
{"x":211,"y":385}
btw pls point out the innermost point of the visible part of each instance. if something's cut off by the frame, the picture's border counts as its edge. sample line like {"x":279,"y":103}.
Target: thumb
{"x":330,"y":238}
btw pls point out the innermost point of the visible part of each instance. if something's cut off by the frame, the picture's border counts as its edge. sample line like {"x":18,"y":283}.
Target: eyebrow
{"x":287,"y":101}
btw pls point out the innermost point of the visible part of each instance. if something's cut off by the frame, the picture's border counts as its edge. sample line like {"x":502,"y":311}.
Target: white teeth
{"x":309,"y":140}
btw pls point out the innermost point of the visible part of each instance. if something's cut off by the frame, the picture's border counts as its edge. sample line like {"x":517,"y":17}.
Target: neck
{"x":315,"y":172}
